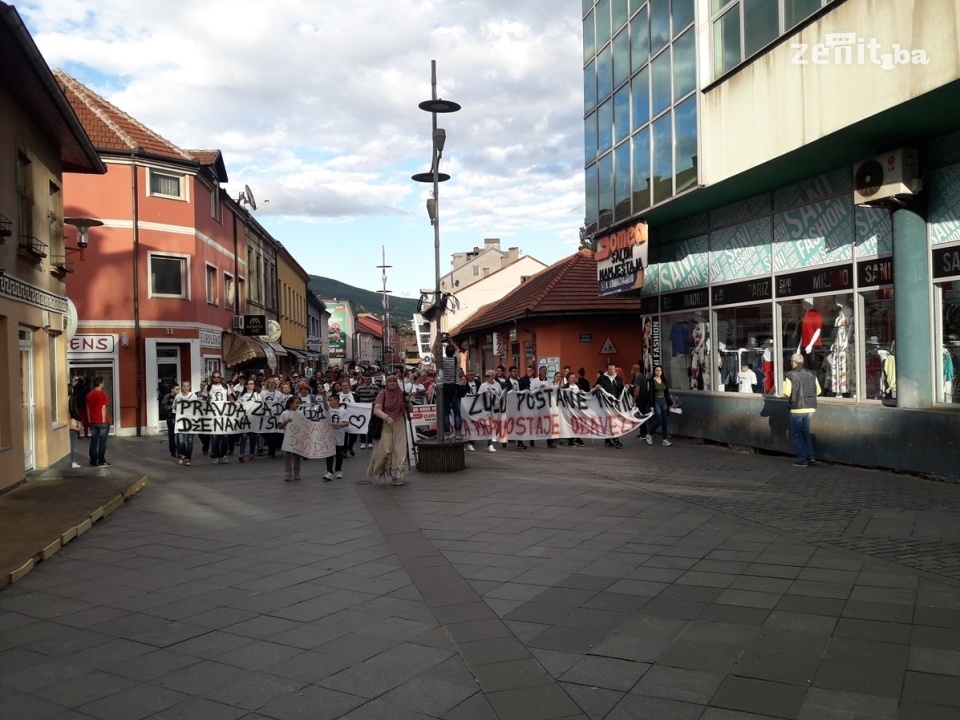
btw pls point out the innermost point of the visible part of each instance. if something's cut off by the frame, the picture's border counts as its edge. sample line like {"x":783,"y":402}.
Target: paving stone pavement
{"x":648,"y":582}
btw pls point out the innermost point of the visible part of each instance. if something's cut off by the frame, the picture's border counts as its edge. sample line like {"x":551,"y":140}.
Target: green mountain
{"x":401,"y":309}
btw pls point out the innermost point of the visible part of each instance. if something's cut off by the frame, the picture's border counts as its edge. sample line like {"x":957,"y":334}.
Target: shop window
{"x":821,"y":329}
{"x":55,"y":390}
{"x":687,"y":351}
{"x":745,"y":338}
{"x":948,"y":357}
{"x":877,"y":345}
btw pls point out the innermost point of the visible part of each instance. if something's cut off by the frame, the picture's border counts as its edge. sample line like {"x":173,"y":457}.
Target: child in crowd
{"x":338,"y":422}
{"x":291,"y":460}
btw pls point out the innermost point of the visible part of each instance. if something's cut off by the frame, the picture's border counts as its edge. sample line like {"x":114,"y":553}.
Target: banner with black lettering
{"x":257,"y":416}
{"x":308,"y":438}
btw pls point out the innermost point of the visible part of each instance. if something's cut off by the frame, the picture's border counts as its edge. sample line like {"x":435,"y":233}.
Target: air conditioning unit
{"x":238,"y":322}
{"x":886,"y":176}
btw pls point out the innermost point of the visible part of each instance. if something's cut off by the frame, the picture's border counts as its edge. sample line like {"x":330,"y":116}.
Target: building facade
{"x":473,"y":265}
{"x":40,"y":140}
{"x":781,"y":177}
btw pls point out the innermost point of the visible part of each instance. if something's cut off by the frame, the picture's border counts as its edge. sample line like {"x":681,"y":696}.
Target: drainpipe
{"x":136,"y":293}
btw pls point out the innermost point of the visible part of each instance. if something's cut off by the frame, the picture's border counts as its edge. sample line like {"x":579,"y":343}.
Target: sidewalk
{"x":682,"y":582}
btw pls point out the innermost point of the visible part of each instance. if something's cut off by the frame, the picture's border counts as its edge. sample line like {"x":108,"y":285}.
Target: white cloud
{"x":314,"y":104}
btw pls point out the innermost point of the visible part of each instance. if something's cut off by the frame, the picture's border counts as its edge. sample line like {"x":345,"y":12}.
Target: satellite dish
{"x":247,"y":197}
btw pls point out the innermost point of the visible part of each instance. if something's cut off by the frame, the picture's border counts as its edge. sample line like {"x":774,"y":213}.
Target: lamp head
{"x":439,"y":138}
{"x":432,"y":209}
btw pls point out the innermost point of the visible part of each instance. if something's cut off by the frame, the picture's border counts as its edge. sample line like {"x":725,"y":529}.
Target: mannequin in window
{"x":811,"y":326}
{"x":768,"y":366}
{"x":839,"y":354}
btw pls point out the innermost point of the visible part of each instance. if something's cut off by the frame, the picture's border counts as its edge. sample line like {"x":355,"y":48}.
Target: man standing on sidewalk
{"x":801,"y":387}
{"x":97,"y":402}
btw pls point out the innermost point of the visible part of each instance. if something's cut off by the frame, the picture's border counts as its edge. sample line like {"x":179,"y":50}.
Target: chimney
{"x":459,"y":260}
{"x":491,"y":243}
{"x":512,"y":255}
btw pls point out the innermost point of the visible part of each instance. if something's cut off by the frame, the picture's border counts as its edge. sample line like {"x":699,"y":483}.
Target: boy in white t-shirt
{"x":338,"y":422}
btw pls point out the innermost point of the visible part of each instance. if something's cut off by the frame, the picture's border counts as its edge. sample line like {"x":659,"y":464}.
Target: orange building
{"x":555,"y":318}
{"x":163,"y":275}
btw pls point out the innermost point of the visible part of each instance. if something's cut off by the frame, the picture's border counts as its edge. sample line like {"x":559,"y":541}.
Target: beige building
{"x":40,"y":139}
{"x":491,"y":288}
{"x":292,"y":282}
{"x":474,"y":265}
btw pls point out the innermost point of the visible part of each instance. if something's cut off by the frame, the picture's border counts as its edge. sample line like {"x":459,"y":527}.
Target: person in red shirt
{"x":97,"y":402}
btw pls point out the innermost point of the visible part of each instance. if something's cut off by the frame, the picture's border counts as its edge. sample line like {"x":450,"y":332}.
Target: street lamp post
{"x":433,"y":106}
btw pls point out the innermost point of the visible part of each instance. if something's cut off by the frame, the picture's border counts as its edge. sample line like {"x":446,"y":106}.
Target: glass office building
{"x":795,"y":166}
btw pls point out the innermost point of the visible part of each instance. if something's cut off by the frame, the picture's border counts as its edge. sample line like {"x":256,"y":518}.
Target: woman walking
{"x":388,"y":461}
{"x":249,"y":394}
{"x":660,"y":401}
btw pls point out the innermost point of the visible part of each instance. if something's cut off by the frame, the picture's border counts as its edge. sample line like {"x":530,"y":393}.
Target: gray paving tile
{"x":604,"y":672}
{"x":932,"y":689}
{"x":385,"y":671}
{"x":542,"y":702}
{"x":16,"y":705}
{"x":253,"y":690}
{"x":760,"y":697}
{"x":476,"y":707}
{"x":82,"y":689}
{"x":594,"y":701}
{"x":569,"y":639}
{"x":311,"y":703}
{"x":483,"y":652}
{"x":149,"y":666}
{"x":823,"y":704}
{"x":199,"y":677}
{"x":134,"y":703}
{"x":510,"y":675}
{"x":801,"y":622}
{"x":39,"y":675}
{"x":691,"y":686}
{"x":782,"y":656}
{"x":636,"y":706}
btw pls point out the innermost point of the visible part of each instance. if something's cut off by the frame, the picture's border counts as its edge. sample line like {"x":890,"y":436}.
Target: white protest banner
{"x":231,"y":418}
{"x":548,"y":413}
{"x":307,"y":438}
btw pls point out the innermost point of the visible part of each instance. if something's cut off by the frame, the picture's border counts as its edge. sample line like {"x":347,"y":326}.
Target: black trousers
{"x":338,"y":459}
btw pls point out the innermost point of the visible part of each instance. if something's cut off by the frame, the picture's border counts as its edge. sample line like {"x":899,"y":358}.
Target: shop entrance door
{"x":168,"y":369}
{"x":27,"y":401}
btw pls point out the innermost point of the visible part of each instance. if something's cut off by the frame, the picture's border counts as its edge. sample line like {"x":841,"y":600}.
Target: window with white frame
{"x":168,"y":276}
{"x":211,"y":285}
{"x":476,"y":271}
{"x":229,"y":290}
{"x":215,"y":211}
{"x":166,"y":185}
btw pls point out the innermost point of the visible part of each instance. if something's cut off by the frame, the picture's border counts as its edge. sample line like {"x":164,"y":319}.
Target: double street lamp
{"x":434,"y":106}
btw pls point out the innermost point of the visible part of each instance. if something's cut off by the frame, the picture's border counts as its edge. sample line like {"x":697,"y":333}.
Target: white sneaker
{"x":470,"y":447}
{"x":363,"y":446}
{"x":339,"y":475}
{"x":649,"y":439}
{"x":667,"y":443}
{"x":327,"y":477}
{"x":491,"y":448}
{"x":75,"y":466}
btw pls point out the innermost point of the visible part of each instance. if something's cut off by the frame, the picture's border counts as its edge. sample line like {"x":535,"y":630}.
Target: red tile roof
{"x":568,"y":287}
{"x":370,"y":325}
{"x":111,"y":129}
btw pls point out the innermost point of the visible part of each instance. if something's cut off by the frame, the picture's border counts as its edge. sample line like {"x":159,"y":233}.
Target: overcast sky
{"x":314,"y":106}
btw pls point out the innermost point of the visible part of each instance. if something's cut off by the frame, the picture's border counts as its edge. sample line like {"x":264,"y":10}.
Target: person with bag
{"x":661,"y":401}
{"x":167,"y":415}
{"x":388,"y":461}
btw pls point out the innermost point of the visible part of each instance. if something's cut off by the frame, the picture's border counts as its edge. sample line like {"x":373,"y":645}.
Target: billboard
{"x":621,"y":258}
{"x":337,"y":330}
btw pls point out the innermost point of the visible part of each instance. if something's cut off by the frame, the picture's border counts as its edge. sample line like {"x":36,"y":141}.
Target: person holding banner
{"x":217,"y":391}
{"x":388,"y":461}
{"x":291,"y":460}
{"x":184,"y":440}
{"x":272,"y":396}
{"x":338,"y":423}
{"x":613,"y":384}
{"x":249,"y":394}
{"x":346,"y":398}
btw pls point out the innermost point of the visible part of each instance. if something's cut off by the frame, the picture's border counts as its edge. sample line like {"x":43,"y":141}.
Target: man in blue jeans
{"x":801,"y":388}
{"x":97,"y":403}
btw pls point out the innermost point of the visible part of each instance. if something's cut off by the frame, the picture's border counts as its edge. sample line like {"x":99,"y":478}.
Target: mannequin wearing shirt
{"x":839,"y":357}
{"x":811,"y":326}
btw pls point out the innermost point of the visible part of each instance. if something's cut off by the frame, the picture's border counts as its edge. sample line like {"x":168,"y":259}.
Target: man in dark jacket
{"x":800,"y":386}
{"x":612,"y":383}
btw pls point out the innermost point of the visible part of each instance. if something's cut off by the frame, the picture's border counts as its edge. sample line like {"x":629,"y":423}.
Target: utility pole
{"x":386,"y":308}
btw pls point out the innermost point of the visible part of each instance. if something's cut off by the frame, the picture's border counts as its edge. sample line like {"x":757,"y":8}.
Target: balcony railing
{"x":5,"y":227}
{"x":31,"y":247}
{"x":60,"y":265}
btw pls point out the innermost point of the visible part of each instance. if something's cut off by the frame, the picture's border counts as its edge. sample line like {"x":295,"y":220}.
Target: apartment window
{"x":166,"y":185}
{"x":211,"y":285}
{"x":168,"y":276}
{"x":216,"y":211}
{"x":54,"y":208}
{"x":229,"y":290}
{"x":55,"y":390}
{"x":476,"y":271}
{"x":24,"y":196}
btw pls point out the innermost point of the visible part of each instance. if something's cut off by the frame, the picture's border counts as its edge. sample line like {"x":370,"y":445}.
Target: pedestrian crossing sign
{"x":608,"y":347}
